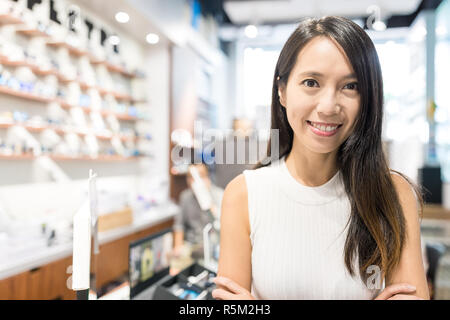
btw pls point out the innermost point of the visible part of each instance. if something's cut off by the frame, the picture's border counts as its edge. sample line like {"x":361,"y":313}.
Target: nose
{"x":328,"y":104}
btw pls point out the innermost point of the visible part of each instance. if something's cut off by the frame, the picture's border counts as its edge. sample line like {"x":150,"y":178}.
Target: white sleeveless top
{"x":298,"y":235}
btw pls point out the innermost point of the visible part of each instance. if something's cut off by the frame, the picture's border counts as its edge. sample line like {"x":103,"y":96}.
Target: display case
{"x":193,"y":283}
{"x":66,"y":92}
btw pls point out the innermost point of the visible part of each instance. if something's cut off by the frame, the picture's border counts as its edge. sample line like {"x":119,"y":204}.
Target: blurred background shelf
{"x":6,"y":19}
{"x":65,"y":105}
{"x":62,"y":130}
{"x":72,"y":50}
{"x":24,"y":95}
{"x":32,"y":33}
{"x":112,"y":158}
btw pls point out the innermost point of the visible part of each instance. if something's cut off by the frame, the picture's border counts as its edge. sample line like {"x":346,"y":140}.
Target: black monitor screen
{"x":149,"y":260}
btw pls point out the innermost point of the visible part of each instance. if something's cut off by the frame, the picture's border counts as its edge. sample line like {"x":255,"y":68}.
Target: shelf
{"x":24,"y":95}
{"x":61,"y":78}
{"x":120,"y":116}
{"x":61,"y":130}
{"x":28,"y":127}
{"x":6,"y":19}
{"x":72,"y":50}
{"x":17,"y":157}
{"x":112,"y":67}
{"x":75,"y":51}
{"x":96,"y":61}
{"x":79,"y":52}
{"x":114,"y":158}
{"x":11,"y":63}
{"x":85,"y":86}
{"x":32,"y":33}
{"x":65,"y":105}
{"x":118,"y":95}
{"x":34,"y":68}
{"x":118,"y":69}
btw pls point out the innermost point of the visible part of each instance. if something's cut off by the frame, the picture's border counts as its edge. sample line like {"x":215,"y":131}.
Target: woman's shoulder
{"x":235,"y":203}
{"x":408,"y":194}
{"x":264,"y":170}
{"x":236,"y":189}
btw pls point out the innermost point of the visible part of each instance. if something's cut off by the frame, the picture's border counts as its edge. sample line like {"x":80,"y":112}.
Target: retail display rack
{"x":67,"y":101}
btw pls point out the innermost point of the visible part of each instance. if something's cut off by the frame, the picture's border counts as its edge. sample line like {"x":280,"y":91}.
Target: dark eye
{"x":310,"y":83}
{"x":351,"y":86}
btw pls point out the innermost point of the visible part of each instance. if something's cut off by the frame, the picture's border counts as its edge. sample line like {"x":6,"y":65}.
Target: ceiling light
{"x":114,"y":40}
{"x":152,"y":38}
{"x":122,"y":17}
{"x":251,"y":31}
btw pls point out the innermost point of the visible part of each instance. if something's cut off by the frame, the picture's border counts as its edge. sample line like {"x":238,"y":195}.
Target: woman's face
{"x":321,"y":96}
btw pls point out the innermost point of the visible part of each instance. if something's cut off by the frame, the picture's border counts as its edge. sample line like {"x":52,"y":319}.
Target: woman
{"x":327,"y":219}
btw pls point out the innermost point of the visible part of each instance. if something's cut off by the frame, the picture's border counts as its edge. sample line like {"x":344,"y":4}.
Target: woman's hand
{"x":398,"y":292}
{"x":232,"y":290}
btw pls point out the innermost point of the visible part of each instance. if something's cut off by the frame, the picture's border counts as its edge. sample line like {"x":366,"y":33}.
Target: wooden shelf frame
{"x":80,"y":52}
{"x":72,"y":50}
{"x":101,"y":158}
{"x":32,"y":32}
{"x":62,"y":130}
{"x":61,"y":78}
{"x":65,"y":105}
{"x":7,"y":19}
{"x":25,"y":95}
{"x":104,"y":113}
{"x":35,"y":69}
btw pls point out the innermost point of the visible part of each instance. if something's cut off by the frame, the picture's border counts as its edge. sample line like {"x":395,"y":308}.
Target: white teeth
{"x":323,"y":127}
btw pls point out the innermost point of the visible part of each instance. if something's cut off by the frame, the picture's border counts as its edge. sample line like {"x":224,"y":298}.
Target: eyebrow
{"x":320,"y":75}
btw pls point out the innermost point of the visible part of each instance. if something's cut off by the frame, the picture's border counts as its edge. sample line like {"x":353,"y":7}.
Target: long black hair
{"x":376,"y":227}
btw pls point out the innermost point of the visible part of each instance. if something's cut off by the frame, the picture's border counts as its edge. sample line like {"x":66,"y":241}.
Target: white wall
{"x":157,"y":67}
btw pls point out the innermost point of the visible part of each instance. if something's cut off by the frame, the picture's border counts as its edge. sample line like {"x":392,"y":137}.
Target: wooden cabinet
{"x":47,"y":282}
{"x":14,"y":287}
{"x":50,"y":281}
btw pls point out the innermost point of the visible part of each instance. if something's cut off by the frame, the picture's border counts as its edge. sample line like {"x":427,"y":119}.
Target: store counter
{"x":35,"y":253}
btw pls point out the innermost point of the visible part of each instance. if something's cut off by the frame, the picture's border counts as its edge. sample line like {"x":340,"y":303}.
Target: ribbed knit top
{"x":298,"y":234}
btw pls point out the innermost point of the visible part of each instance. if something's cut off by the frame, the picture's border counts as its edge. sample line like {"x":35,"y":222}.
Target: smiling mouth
{"x":324,"y":129}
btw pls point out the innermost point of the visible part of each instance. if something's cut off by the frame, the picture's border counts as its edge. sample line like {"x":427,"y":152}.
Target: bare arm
{"x":178,"y":238}
{"x":410,"y":268}
{"x":235,"y":245}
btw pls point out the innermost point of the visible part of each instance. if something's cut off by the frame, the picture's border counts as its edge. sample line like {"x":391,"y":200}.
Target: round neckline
{"x":327,"y":192}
